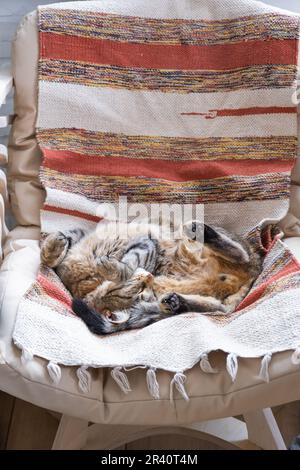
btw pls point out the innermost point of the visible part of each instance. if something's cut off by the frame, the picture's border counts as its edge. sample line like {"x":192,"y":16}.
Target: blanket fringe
{"x":206,"y":366}
{"x":54,"y":371}
{"x":121,"y":379}
{"x":152,"y":383}
{"x":232,"y":365}
{"x":178,"y":380}
{"x":2,"y":352}
{"x":296,"y":357}
{"x":264,"y":368}
{"x":26,"y":356}
{"x":84,"y":379}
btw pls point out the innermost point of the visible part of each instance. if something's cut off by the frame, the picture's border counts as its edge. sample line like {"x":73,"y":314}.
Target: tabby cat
{"x":120,"y":285}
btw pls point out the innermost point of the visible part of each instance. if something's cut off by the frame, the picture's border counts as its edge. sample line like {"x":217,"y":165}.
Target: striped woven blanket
{"x":172,"y":101}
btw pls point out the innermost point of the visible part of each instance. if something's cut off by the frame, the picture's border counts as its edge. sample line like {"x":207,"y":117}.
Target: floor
{"x":24,"y":426}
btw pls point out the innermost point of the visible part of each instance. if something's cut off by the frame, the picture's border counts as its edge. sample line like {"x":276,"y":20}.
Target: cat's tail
{"x":96,"y":323}
{"x":138,"y":316}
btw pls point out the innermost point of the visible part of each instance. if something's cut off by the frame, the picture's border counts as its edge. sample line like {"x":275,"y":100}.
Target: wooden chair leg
{"x":263,"y":430}
{"x":71,"y":434}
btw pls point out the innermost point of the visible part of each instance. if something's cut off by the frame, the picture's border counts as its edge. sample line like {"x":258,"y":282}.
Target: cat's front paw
{"x":194,"y":230}
{"x":171,"y":304}
{"x":143,"y":276}
{"x":54,"y":249}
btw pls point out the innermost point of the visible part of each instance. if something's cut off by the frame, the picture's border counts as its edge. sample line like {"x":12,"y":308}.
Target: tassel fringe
{"x":206,"y":366}
{"x":2,"y":352}
{"x":264,"y":369}
{"x":152,"y":383}
{"x":178,"y":380}
{"x":232,"y":365}
{"x":55,"y":372}
{"x":26,"y":356}
{"x":84,"y":379}
{"x":121,"y":379}
{"x":296,"y":357}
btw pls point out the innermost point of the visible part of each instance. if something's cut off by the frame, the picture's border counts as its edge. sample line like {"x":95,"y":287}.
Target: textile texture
{"x":179,"y":102}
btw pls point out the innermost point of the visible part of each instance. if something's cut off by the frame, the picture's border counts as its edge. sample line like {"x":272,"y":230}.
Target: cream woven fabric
{"x":180,"y":101}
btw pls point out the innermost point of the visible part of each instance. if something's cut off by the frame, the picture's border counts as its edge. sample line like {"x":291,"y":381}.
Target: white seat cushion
{"x":294,"y":245}
{"x":211,"y":396}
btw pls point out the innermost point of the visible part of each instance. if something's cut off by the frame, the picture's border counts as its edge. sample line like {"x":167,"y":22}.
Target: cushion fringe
{"x":84,"y":379}
{"x":178,"y":380}
{"x":2,"y":352}
{"x":206,"y":366}
{"x":152,"y":383}
{"x":121,"y":379}
{"x":54,"y":372}
{"x":232,"y":365}
{"x":296,"y":357}
{"x":264,"y":369}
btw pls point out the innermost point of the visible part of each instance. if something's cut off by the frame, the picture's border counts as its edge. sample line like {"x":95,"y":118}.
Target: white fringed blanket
{"x":167,"y":101}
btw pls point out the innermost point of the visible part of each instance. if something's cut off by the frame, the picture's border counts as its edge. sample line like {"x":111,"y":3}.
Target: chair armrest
{"x":3,"y":204}
{"x":6,"y":82}
{"x":6,"y":85}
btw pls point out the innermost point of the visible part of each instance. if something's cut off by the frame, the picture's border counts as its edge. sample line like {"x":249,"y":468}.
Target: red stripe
{"x":292,"y":267}
{"x":162,"y":56}
{"x":54,"y":291}
{"x":74,"y":163}
{"x":81,"y":215}
{"x":244,"y":112}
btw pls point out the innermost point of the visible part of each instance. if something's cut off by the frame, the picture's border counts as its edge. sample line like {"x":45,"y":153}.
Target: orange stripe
{"x":54,"y":291}
{"x":292,"y":267}
{"x":244,"y":112}
{"x":74,"y":213}
{"x":162,"y":56}
{"x":74,"y":163}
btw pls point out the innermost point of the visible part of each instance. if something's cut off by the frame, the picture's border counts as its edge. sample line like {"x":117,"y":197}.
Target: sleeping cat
{"x":120,"y":284}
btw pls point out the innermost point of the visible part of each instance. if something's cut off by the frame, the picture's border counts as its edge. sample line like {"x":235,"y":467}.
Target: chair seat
{"x":211,"y":395}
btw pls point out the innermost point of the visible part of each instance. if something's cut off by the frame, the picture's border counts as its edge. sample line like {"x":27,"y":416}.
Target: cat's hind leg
{"x":175,"y":304}
{"x":233,"y":301}
{"x":56,"y":245}
{"x":228,"y":245}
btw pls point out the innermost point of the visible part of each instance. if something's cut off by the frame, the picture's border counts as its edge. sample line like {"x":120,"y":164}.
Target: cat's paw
{"x":54,"y":249}
{"x":170,"y":304}
{"x":194,"y":230}
{"x":143,"y":276}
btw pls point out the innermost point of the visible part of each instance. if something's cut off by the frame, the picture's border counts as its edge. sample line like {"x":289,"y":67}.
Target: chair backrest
{"x":26,"y":192}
